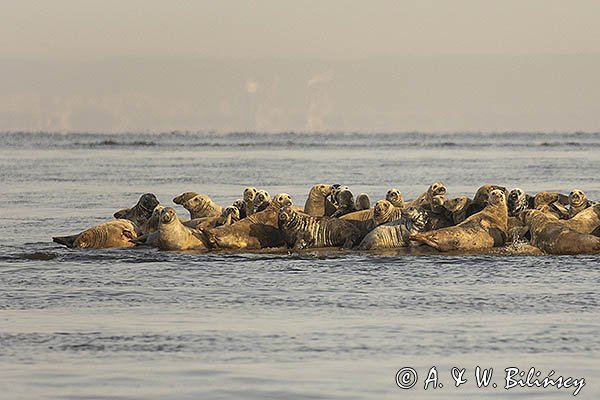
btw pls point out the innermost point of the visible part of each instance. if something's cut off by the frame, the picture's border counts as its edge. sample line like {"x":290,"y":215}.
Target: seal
{"x":303,"y":231}
{"x":201,"y":206}
{"x":363,"y":202}
{"x":141,"y":212}
{"x":261,"y":200}
{"x":396,"y":233}
{"x":456,"y":208}
{"x":117,"y":233}
{"x":395,"y":197}
{"x":577,"y":202}
{"x":229,"y":215}
{"x":586,"y":221}
{"x":183,"y":197}
{"x":556,"y":203}
{"x":241,"y":206}
{"x":435,"y":189}
{"x":480,"y":200}
{"x":382,"y":212}
{"x":482,"y":230}
{"x":518,"y":201}
{"x":552,"y":236}
{"x":317,"y":204}
{"x":256,"y":231}
{"x":335,"y":189}
{"x":248,"y":197}
{"x":172,"y":234}
{"x":345,"y":203}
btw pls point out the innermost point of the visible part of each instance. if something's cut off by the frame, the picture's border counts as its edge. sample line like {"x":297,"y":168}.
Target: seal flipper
{"x":65,"y":240}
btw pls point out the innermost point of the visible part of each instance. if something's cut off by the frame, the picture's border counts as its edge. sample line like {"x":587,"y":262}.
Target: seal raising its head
{"x":141,"y":212}
{"x":395,"y":197}
{"x":261,"y":200}
{"x":317,"y":204}
{"x":201,"y":206}
{"x":363,"y":202}
{"x":577,"y":202}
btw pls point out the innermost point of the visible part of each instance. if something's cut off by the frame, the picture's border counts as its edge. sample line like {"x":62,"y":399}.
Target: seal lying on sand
{"x":117,"y":233}
{"x":363,"y":202}
{"x":256,"y":231}
{"x":577,"y":202}
{"x":172,"y":234}
{"x":201,"y":206}
{"x":317,"y":204}
{"x":140,"y":213}
{"x":396,"y":233}
{"x":303,"y":231}
{"x":395,"y":197}
{"x":552,"y":236}
{"x":484,"y":229}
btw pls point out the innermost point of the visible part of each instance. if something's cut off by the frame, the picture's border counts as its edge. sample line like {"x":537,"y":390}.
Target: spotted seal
{"x":395,"y":197}
{"x":518,"y":201}
{"x":303,"y":231}
{"x":261,"y":200}
{"x":396,"y":233}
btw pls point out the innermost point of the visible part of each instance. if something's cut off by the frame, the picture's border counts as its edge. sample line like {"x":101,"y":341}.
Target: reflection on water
{"x":144,"y":324}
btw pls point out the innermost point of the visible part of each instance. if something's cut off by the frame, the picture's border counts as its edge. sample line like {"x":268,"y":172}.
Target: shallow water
{"x":144,"y":324}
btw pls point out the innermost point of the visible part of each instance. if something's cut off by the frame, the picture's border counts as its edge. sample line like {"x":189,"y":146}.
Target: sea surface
{"x":145,"y":324}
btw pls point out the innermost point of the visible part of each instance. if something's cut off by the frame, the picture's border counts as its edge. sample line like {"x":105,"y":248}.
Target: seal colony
{"x":494,"y":218}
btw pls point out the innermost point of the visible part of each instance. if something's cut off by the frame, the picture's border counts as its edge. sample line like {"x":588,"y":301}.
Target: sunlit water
{"x":145,"y":324}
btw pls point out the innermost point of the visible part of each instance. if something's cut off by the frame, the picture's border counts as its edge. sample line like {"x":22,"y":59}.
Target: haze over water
{"x":145,"y":324}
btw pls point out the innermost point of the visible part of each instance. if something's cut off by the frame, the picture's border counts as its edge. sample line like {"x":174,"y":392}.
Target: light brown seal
{"x":183,"y":197}
{"x":248,"y":197}
{"x":480,"y":200}
{"x":577,"y":202}
{"x":201,"y":206}
{"x":552,"y":236}
{"x":256,"y":231}
{"x":317,"y":204}
{"x":435,"y":189}
{"x":117,"y":233}
{"x":172,"y":234}
{"x":484,"y":229}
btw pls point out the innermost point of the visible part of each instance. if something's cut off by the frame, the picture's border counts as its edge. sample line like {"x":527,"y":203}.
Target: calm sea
{"x":145,"y":324}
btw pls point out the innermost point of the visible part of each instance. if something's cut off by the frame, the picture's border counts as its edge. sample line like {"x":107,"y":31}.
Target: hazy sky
{"x":276,"y":65}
